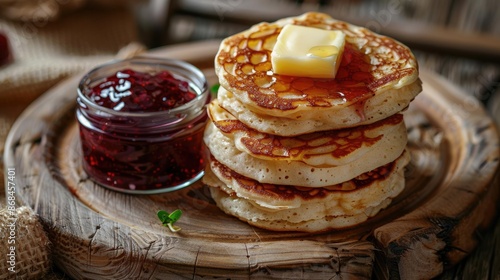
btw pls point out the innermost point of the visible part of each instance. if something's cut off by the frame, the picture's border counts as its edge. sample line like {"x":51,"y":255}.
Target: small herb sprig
{"x":168,"y":220}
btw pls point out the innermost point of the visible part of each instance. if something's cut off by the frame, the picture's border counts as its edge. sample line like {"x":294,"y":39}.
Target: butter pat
{"x":308,"y":52}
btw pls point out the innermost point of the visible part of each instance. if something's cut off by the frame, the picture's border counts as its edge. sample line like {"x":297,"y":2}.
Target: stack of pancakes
{"x":309,"y":154}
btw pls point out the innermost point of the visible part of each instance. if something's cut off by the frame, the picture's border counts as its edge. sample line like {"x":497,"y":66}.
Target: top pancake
{"x":373,"y":70}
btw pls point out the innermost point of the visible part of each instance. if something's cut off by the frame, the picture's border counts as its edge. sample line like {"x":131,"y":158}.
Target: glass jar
{"x":143,"y":152}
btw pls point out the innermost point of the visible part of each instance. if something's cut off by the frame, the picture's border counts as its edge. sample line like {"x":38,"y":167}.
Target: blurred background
{"x":42,"y":42}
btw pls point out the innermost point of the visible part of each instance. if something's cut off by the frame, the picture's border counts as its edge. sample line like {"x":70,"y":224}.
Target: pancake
{"x":291,"y":153}
{"x":326,"y":148}
{"x":378,"y":77}
{"x":285,"y":208}
{"x":350,"y":117}
{"x":247,"y":212}
{"x":294,"y":172}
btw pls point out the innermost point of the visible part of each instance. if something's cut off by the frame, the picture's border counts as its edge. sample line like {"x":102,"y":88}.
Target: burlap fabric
{"x":46,"y":49}
{"x":31,"y":257}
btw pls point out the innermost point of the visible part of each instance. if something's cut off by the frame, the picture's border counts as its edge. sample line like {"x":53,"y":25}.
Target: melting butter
{"x":323,"y":51}
{"x":307,"y":52}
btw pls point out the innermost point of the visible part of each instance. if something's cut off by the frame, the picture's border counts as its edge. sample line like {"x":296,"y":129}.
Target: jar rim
{"x":166,"y":63}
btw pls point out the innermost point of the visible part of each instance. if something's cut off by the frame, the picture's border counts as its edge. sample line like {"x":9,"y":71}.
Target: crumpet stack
{"x":309,"y":154}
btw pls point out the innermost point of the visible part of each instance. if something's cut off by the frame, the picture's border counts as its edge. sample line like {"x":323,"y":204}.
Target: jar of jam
{"x":141,"y":124}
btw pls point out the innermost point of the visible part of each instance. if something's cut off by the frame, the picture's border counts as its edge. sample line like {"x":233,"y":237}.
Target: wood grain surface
{"x":101,"y":234}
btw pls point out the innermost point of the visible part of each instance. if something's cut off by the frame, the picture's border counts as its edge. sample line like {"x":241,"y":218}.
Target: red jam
{"x":132,"y":91}
{"x":142,"y":132}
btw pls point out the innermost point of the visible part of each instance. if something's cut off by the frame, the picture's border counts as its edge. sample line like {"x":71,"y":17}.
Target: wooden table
{"x":481,"y":264}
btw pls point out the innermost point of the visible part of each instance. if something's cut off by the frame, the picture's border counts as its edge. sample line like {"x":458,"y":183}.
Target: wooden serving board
{"x":100,"y":234}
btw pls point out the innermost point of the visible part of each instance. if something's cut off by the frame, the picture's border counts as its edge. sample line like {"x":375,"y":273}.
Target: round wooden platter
{"x":100,"y":234}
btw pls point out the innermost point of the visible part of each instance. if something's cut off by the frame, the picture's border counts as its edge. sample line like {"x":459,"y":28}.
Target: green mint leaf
{"x":163,"y":216}
{"x":168,"y":220}
{"x":174,"y":216}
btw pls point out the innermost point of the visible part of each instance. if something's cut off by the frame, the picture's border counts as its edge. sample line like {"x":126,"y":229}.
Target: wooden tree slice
{"x":100,"y":234}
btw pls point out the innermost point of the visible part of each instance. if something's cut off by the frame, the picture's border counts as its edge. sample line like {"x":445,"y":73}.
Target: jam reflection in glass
{"x":141,"y":124}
